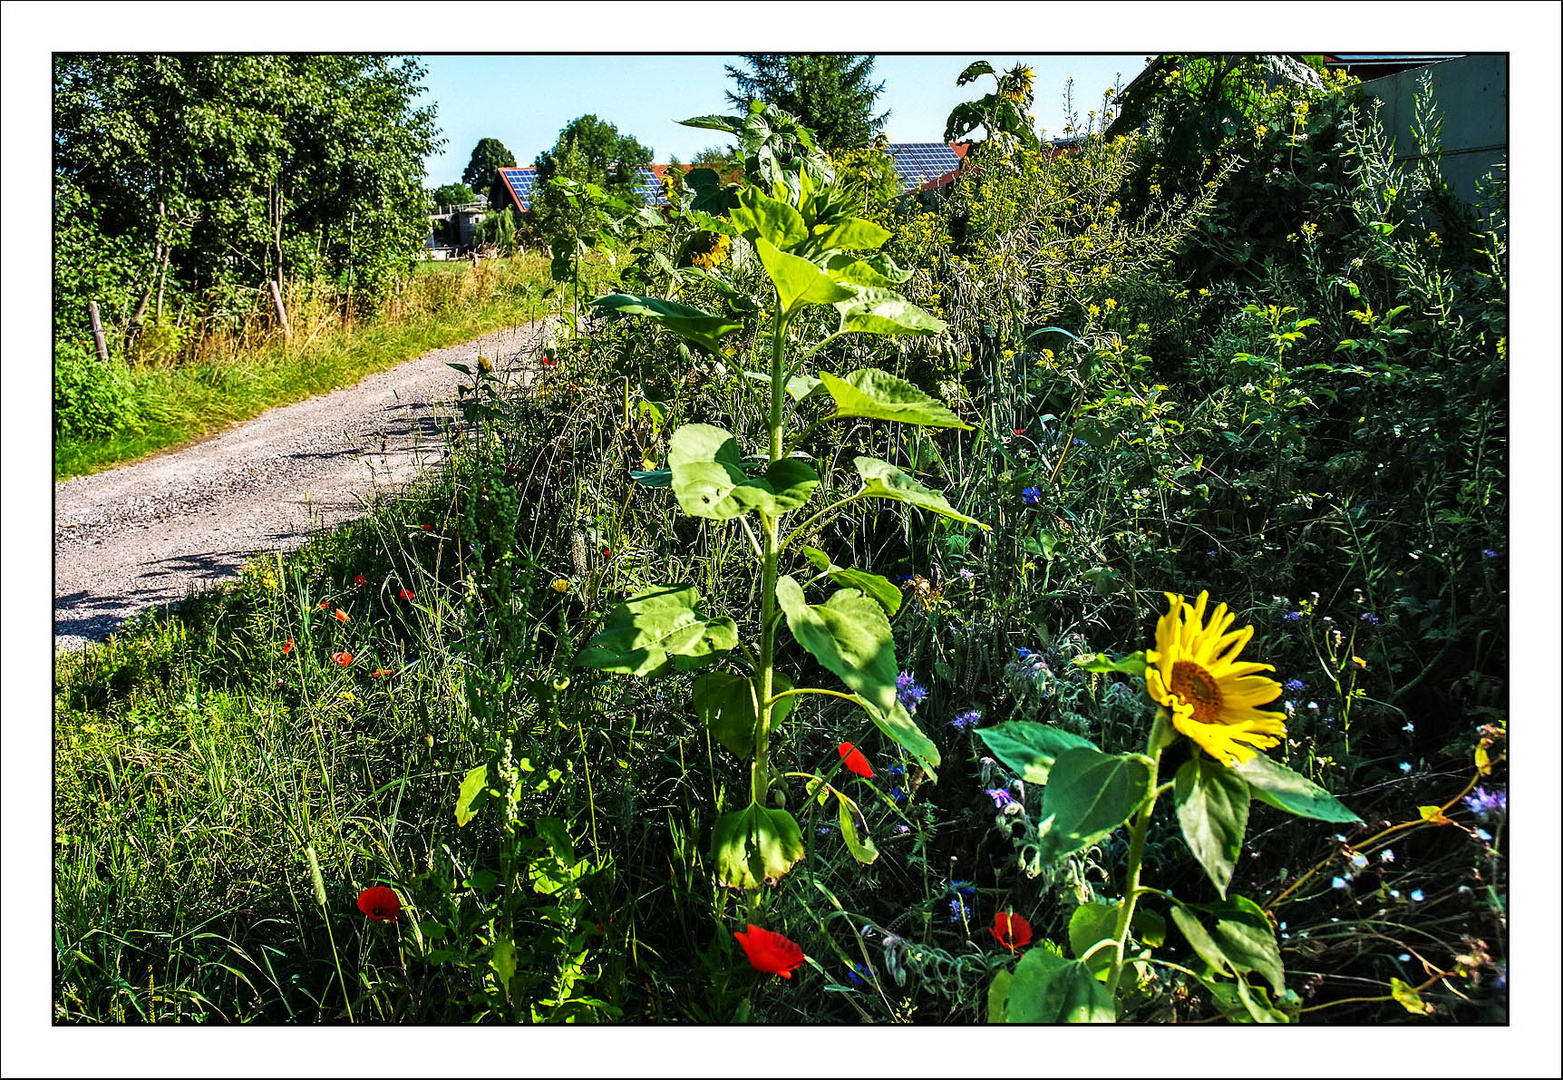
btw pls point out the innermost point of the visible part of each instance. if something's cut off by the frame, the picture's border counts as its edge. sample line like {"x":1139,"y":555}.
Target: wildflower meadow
{"x":1075,"y":594}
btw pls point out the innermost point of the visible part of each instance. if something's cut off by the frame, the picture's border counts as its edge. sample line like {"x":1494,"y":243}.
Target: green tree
{"x":830,"y":94}
{"x":200,"y":177}
{"x":589,"y":150}
{"x":482,"y":171}
{"x":457,"y":194}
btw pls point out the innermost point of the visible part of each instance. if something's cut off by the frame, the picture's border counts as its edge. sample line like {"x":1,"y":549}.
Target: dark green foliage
{"x":92,"y":400}
{"x":482,"y":171}
{"x":458,"y":194}
{"x":185,"y":182}
{"x":589,"y":151}
{"x":830,"y":93}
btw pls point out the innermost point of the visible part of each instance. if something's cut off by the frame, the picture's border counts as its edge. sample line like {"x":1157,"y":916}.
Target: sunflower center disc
{"x":1195,"y":685}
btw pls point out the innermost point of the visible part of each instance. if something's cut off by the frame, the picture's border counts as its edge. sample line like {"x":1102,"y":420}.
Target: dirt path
{"x":147,"y":533}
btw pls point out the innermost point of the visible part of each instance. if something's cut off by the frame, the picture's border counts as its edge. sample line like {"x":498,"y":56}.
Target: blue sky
{"x":523,"y":101}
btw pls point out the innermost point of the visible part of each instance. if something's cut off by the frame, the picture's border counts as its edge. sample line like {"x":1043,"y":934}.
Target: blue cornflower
{"x":860,"y":975}
{"x":908,"y":692}
{"x":895,"y":771}
{"x":1484,"y":836}
{"x":898,"y":795}
{"x":1489,"y":553}
{"x":1487,"y":804}
{"x":1023,"y":653}
{"x":1295,"y":685}
{"x":967,"y":719}
{"x":1032,"y":496}
{"x":1000,"y":796}
{"x":962,"y":887}
{"x":1370,"y":618}
{"x":1080,"y":442}
{"x":1292,"y":616}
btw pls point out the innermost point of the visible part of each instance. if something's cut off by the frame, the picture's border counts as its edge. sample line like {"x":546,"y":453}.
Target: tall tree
{"x":830,"y":93}
{"x":589,"y":150}
{"x":482,"y":171}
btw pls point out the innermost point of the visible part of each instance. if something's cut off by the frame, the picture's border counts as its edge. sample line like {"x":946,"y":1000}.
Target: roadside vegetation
{"x":839,"y":619}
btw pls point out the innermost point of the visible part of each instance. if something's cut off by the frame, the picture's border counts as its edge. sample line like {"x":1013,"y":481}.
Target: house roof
{"x":522,"y":183}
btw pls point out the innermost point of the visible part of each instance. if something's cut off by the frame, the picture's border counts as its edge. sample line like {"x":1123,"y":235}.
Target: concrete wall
{"x":1472,"y":96}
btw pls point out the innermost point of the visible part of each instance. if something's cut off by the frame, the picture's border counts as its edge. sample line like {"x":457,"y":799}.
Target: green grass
{"x":190,"y":401}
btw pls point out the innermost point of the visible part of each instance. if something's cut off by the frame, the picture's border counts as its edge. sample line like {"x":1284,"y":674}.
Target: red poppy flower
{"x":855,"y":760}
{"x":343,"y":658}
{"x":324,"y":604}
{"x":406,"y":594}
{"x":379,"y":903}
{"x":770,"y":952}
{"x":607,"y":553}
{"x":360,"y":580}
{"x":342,"y":616}
{"x":288,"y":647}
{"x":1020,"y":431}
{"x":1012,"y":931}
{"x":375,"y":674}
{"x":428,"y":528}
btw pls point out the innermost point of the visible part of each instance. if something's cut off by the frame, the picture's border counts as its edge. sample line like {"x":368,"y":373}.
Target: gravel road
{"x":148,"y":533}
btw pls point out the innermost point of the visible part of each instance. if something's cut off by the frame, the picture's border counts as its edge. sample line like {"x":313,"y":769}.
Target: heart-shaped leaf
{"x":882,"y":480}
{"x":1296,"y":794}
{"x":1212,"y":804}
{"x":657,"y":630}
{"x":849,"y":634}
{"x":879,"y":395}
{"x":888,"y":595}
{"x":755,"y":845}
{"x":798,"y":281}
{"x":1088,"y":795}
{"x":1028,"y":749}
{"x":726,"y":704}
{"x":709,"y":480}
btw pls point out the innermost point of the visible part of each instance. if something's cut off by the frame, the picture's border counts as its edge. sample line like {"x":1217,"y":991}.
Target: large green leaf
{"x":1088,"y":795}
{"x":1101,"y":663}
{"x":849,"y":233}
{"x":755,"y":845}
{"x":725,"y":703}
{"x":875,"y":272}
{"x":1234,"y":937}
{"x":1049,"y":989}
{"x":881,"y":311}
{"x":847,"y":812}
{"x":657,"y":630}
{"x":1296,"y":794}
{"x":1090,"y":925}
{"x":882,"y":480}
{"x":761,"y":217}
{"x":888,"y":595}
{"x":709,"y":480}
{"x":1212,"y":803}
{"x":1028,"y":748}
{"x":798,"y":282}
{"x":879,"y":395}
{"x":691,"y":324}
{"x":472,"y":794}
{"x":898,"y":725}
{"x":850,"y":635}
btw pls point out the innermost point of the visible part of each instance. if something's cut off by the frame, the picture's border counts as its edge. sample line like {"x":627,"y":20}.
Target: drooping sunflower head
{"x":1194,"y":672}
{"x":709,"y":250}
{"x":1017,"y":83}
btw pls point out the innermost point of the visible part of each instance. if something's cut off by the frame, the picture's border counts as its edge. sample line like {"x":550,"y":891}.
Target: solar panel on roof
{"x":918,"y":163}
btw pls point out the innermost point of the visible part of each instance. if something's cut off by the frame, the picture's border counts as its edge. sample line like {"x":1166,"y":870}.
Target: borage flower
{"x":380,"y":903}
{"x":769,"y":951}
{"x":908,"y":692}
{"x":1193,"y":672}
{"x":1012,"y":931}
{"x":855,"y":761}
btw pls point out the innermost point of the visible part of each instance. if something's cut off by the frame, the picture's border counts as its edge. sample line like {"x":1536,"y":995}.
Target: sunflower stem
{"x":1137,"y":833}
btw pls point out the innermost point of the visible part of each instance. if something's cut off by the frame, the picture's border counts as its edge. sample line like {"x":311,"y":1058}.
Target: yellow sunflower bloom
{"x":1194,"y":672}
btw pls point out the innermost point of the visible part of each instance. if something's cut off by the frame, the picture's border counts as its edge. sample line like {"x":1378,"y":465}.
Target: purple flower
{"x":1370,"y":618}
{"x":908,"y":692}
{"x":902,"y":829}
{"x":958,"y":909}
{"x":1489,"y":553}
{"x":967,"y":719}
{"x":1296,"y":686}
{"x":1000,"y":796}
{"x":1487,"y":804}
{"x":1292,"y":616}
{"x":965,"y":573}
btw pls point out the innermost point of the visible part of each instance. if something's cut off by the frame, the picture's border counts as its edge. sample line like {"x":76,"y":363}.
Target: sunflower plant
{"x":1204,"y":694}
{"x":798,"y":219}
